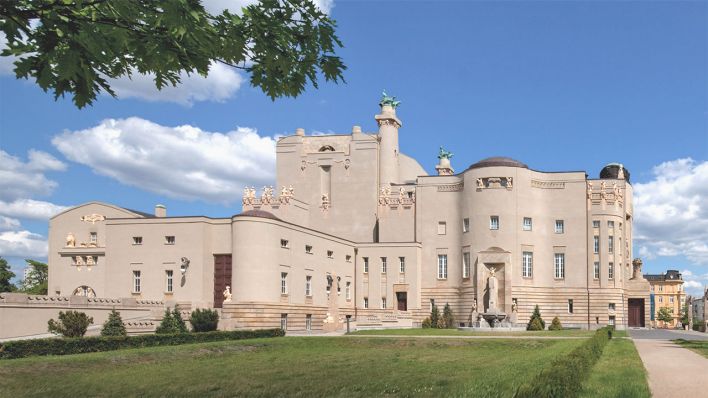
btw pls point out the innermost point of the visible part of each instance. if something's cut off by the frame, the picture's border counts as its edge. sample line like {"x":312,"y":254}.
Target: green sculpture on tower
{"x":445,"y":154}
{"x":389,"y":100}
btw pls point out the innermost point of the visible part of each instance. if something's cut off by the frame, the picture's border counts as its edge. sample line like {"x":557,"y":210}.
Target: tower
{"x":388,"y":140}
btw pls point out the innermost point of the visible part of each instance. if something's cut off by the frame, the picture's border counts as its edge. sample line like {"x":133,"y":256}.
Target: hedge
{"x":66,"y":346}
{"x":564,"y":376}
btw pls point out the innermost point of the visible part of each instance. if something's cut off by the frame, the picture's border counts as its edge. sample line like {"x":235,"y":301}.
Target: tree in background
{"x":114,"y":325}
{"x":75,"y":47}
{"x":536,"y":322}
{"x":5,"y":277}
{"x":665,"y":315}
{"x":171,"y":323}
{"x":684,"y":313}
{"x":70,"y":324}
{"x":38,"y":279}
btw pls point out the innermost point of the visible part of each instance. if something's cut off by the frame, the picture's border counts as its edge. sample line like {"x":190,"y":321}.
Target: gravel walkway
{"x":674,"y":371}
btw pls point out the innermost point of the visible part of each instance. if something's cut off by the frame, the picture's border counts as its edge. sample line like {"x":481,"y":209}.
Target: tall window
{"x":384,"y":267}
{"x":527,"y":264}
{"x":596,"y":270}
{"x":671,"y":299}
{"x":348,"y":291}
{"x":596,"y":223}
{"x":559,"y":265}
{"x":94,"y":237}
{"x":610,"y":225}
{"x":283,"y":283}
{"x":366,"y":302}
{"x":308,"y":249}
{"x":136,"y":281}
{"x":466,"y":266}
{"x":383,"y":302}
{"x":402,"y":264}
{"x":610,"y":244}
{"x":570,"y":306}
{"x":308,"y":286}
{"x":611,"y":270}
{"x":596,"y":244}
{"x":308,"y":322}
{"x":168,"y":275}
{"x":494,"y":222}
{"x":284,"y":321}
{"x":466,"y":225}
{"x":442,"y":266}
{"x":366,"y":264}
{"x":442,"y":228}
{"x":527,"y":224}
{"x":560,"y":226}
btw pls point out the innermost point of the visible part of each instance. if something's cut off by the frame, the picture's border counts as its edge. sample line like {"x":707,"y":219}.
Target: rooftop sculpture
{"x":445,"y":154}
{"x":389,"y":100}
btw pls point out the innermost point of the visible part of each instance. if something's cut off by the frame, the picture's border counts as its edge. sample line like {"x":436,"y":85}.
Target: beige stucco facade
{"x":310,"y":251}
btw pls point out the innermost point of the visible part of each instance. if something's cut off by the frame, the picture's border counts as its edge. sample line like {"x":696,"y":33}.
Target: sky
{"x":558,"y":85}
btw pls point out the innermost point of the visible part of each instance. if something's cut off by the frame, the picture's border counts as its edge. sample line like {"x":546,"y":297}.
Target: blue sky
{"x":558,"y":85}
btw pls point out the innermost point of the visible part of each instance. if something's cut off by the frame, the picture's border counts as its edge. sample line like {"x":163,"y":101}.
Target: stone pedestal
{"x":332,"y":322}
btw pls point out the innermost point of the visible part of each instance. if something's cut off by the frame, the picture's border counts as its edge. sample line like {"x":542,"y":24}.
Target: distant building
{"x":667,"y":291}
{"x":699,"y":307}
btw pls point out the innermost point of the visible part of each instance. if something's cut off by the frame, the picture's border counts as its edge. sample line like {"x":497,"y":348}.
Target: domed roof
{"x":257,"y":213}
{"x":498,"y":161}
{"x":612,"y":171}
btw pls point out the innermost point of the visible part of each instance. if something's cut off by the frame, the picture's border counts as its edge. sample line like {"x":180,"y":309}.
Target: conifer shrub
{"x":114,"y":325}
{"x":435,"y":317}
{"x":536,"y":322}
{"x":427,"y":323}
{"x":556,"y":324}
{"x":171,"y":323}
{"x":70,"y":324}
{"x":204,"y":320}
{"x":447,"y":318}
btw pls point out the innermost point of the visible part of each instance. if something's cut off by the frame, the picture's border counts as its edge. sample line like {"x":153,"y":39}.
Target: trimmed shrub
{"x":204,"y":320}
{"x":535,"y":325}
{"x":114,"y":325}
{"x":435,"y":316}
{"x":70,"y":324}
{"x":171,"y":323}
{"x":427,"y":323}
{"x":536,"y":316}
{"x":447,"y":318}
{"x":54,"y":346}
{"x":556,"y":324}
{"x":564,"y":376}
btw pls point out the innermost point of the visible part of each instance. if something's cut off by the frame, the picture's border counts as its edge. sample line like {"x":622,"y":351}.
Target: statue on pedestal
{"x":493,"y":290}
{"x":227,"y":294}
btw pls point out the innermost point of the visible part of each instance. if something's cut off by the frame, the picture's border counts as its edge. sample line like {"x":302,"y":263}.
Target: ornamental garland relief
{"x":92,"y":218}
{"x":267,"y":197}
{"x":495,"y":182}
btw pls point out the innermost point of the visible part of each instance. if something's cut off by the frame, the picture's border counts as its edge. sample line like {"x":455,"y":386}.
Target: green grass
{"x":455,"y":332}
{"x":618,"y":373}
{"x":700,"y":347}
{"x":291,"y":366}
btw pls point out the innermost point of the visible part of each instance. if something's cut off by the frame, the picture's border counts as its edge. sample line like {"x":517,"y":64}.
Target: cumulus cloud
{"x":671,"y":211}
{"x":22,"y":244}
{"x":9,"y":224}
{"x":24,"y":179}
{"x":30,"y":209}
{"x":182,"y":162}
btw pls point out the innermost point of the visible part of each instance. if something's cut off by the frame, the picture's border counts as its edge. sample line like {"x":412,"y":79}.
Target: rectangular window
{"x":527,"y":264}
{"x":402,"y":265}
{"x":671,"y":299}
{"x":366,"y":302}
{"x":308,"y":249}
{"x":308,"y":286}
{"x":169,"y":274}
{"x":308,"y":322}
{"x":442,"y":228}
{"x":494,"y":222}
{"x":366,"y":264}
{"x":560,"y":226}
{"x":570,"y":306}
{"x":442,"y":266}
{"x":384,"y":267}
{"x":432,"y":304}
{"x":348,"y":291}
{"x":559,"y":265}
{"x":136,"y":281}
{"x":283,"y":283}
{"x":611,"y":306}
{"x":330,"y":254}
{"x":596,"y":270}
{"x":611,"y":321}
{"x":596,"y":244}
{"x":526,"y":226}
{"x":169,"y":240}
{"x":284,"y":321}
{"x":611,"y":271}
{"x":94,"y":237}
{"x":137,"y":240}
{"x":466,"y":266}
{"x":661,"y":288}
{"x":610,"y":244}
{"x":348,"y":258}
{"x":661,"y":299}
{"x":596,"y":223}
{"x":466,"y":225}
{"x":383,"y":302}
{"x":610,"y":225}
{"x":284,"y":243}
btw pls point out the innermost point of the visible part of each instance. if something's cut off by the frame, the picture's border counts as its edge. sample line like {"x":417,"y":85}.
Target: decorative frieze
{"x":547,"y":184}
{"x":267,"y":197}
{"x":609,"y":195}
{"x":403,"y":197}
{"x":451,"y":187}
{"x":495,"y":182}
{"x":92,"y":218}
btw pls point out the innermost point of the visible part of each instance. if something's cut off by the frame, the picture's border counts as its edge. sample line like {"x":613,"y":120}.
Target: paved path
{"x":667,"y":334}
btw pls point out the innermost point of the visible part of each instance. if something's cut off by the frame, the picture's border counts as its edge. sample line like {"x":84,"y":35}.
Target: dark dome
{"x":498,"y":161}
{"x":258,"y":213}
{"x":612,"y":171}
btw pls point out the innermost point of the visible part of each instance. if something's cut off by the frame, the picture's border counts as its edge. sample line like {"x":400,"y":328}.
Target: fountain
{"x":492,"y":316}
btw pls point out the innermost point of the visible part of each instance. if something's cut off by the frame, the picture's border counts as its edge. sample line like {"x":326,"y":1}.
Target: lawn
{"x":700,"y":347}
{"x":456,"y":332}
{"x":618,"y":373}
{"x":291,"y":366}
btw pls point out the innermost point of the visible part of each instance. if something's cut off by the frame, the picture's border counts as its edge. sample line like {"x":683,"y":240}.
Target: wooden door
{"x":402,"y":299}
{"x":222,"y":277}
{"x":636,"y":312}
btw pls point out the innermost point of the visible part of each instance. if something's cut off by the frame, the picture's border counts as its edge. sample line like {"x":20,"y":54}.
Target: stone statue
{"x":90,"y":261}
{"x":330,"y":280}
{"x":493,"y":290}
{"x":79,"y":260}
{"x":267,"y":196}
{"x":509,"y":181}
{"x":480,"y":183}
{"x":70,"y":240}
{"x":389,"y":100}
{"x":514,"y":305}
{"x":339,"y":289}
{"x":445,"y":154}
{"x":620,"y":172}
{"x":325,"y":201}
{"x":401,"y":194}
{"x":227,"y":294}
{"x":474,"y":305}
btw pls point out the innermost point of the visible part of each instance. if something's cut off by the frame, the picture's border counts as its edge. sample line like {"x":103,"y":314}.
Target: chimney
{"x":160,"y":211}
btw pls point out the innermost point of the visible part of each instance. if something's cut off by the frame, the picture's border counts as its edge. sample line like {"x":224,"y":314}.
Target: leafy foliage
{"x":684,"y":314}
{"x":556,"y":324}
{"x":37,"y":281}
{"x":664,"y":314}
{"x":75,"y":47}
{"x":171,"y":323}
{"x":536,"y":322}
{"x":70,"y":324}
{"x":204,"y":320}
{"x":5,"y":276}
{"x":114,"y":325}
{"x":54,"y":346}
{"x":448,"y":320}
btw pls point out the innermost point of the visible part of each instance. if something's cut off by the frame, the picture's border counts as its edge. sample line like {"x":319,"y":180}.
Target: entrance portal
{"x":402,"y":300}
{"x":222,"y":277}
{"x":636,"y":312}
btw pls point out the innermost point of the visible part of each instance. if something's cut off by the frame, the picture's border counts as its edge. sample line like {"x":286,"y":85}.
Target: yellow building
{"x":667,"y":291}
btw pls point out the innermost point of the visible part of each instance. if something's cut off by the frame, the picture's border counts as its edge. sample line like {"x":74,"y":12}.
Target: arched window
{"x":84,"y":291}
{"x":327,"y":148}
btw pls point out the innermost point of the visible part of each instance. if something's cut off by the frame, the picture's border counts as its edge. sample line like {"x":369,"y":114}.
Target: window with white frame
{"x":442,"y":228}
{"x":366,"y":302}
{"x":93,"y":237}
{"x":560,"y":226}
{"x":308,"y":286}
{"x":671,"y":299}
{"x":442,"y":266}
{"x":610,"y":225}
{"x":596,"y":244}
{"x":137,"y":240}
{"x":596,"y":270}
{"x":366,"y":264}
{"x":527,"y":224}
{"x":611,"y":270}
{"x":466,"y":266}
{"x":308,"y":322}
{"x":527,"y":264}
{"x":136,"y":281}
{"x":661,"y":288}
{"x":168,"y":276}
{"x":330,"y":254}
{"x":559,"y":261}
{"x":611,"y":320}
{"x":596,"y":223}
{"x":284,"y":321}
{"x":384,"y":266}
{"x":466,"y":225}
{"x":348,"y":291}
{"x":383,"y":302}
{"x":494,"y":222}
{"x":402,"y":265}
{"x":570,"y":306}
{"x":661,"y":299}
{"x":610,"y":244}
{"x":283,"y":283}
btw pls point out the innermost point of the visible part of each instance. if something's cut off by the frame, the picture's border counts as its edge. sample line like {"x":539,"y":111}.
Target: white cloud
{"x":671,"y":211}
{"x":235,"y":6}
{"x":22,"y":244}
{"x":6,"y":66}
{"x":181,"y":162}
{"x":9,"y":224}
{"x":30,"y":209}
{"x":24,"y":179}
